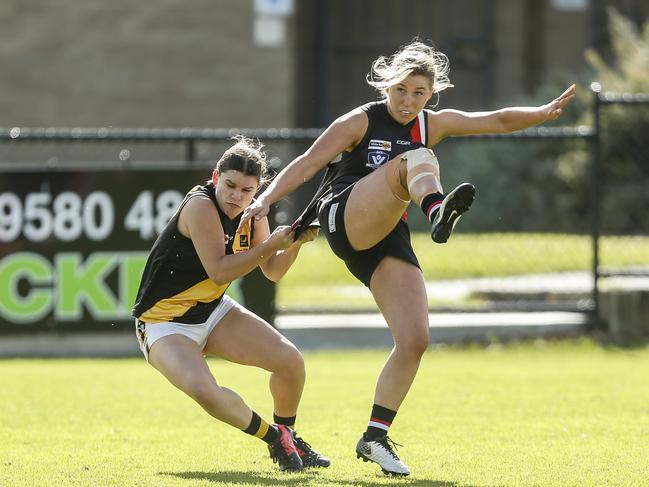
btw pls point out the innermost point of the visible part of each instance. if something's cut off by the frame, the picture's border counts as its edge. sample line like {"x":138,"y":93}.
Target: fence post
{"x":190,"y":151}
{"x":259,"y":295}
{"x":595,"y":202}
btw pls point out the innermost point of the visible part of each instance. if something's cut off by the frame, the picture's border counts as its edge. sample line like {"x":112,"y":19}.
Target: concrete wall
{"x":507,"y":50}
{"x":159,"y":63}
{"x":535,"y":43}
{"x":175,"y":63}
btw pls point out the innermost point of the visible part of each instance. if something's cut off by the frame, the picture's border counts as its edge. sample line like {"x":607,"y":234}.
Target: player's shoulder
{"x":433,"y":114}
{"x":197,"y":205}
{"x":444,"y":115}
{"x":355,"y":120}
{"x":353,"y":115}
{"x":439,"y":122}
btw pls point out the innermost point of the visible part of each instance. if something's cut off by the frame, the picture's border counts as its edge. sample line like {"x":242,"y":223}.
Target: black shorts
{"x":362,"y":263}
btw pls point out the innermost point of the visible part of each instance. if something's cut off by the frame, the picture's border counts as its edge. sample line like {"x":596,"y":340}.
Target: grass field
{"x":544,"y":413}
{"x":318,"y":272}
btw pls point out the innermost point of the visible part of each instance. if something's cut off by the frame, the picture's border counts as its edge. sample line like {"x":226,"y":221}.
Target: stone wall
{"x":160,"y":63}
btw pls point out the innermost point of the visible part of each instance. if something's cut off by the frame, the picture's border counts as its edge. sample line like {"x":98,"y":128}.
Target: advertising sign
{"x":73,"y":243}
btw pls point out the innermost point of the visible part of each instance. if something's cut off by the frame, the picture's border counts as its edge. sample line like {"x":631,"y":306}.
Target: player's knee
{"x":419,"y":346}
{"x":414,"y":345}
{"x":291,"y":360}
{"x":421,"y":156}
{"x":202,"y":390}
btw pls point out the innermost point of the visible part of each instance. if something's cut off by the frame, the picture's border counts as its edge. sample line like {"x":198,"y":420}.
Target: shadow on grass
{"x":256,"y":478}
{"x":610,"y":343}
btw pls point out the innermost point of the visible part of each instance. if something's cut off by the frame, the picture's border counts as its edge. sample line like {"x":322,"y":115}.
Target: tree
{"x":545,"y":185}
{"x":624,"y":173}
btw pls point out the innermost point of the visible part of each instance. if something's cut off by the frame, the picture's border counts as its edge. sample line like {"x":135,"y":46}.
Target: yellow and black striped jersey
{"x":174,"y":285}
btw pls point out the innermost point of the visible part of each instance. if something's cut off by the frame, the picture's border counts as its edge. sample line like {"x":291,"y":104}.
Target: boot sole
{"x":452,"y":210}
{"x":387,"y":472}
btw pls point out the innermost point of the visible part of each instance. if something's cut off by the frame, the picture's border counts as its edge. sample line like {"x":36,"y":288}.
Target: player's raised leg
{"x":379,"y":199}
{"x":442,"y":211}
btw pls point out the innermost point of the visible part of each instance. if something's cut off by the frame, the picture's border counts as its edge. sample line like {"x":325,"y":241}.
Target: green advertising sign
{"x":73,"y":244}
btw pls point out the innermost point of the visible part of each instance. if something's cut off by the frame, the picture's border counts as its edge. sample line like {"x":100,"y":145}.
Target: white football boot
{"x":381,"y":451}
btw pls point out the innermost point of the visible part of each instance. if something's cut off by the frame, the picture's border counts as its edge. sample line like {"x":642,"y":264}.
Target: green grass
{"x":544,"y":414}
{"x":319,"y":279}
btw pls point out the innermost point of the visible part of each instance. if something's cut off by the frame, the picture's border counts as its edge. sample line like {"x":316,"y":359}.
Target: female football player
{"x":182,"y":312}
{"x":379,"y":159}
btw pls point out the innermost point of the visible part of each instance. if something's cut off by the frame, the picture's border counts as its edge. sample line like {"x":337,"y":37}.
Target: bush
{"x":624,"y":153}
{"x":545,"y":185}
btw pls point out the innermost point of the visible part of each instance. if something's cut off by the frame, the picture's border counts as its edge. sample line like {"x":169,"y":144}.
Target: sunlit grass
{"x":552,"y":414}
{"x":320,"y":280}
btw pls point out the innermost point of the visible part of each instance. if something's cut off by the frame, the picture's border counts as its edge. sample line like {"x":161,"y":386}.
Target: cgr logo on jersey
{"x":376,"y":158}
{"x":376,"y":144}
{"x":243,"y":240}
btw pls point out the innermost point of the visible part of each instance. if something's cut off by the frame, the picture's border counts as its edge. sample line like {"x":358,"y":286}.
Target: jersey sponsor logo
{"x":243,"y":241}
{"x":404,"y":142}
{"x":376,"y":158}
{"x":376,"y":144}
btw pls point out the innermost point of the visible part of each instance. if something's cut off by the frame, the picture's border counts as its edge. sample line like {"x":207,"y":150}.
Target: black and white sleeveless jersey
{"x":175,"y":286}
{"x":384,"y":140}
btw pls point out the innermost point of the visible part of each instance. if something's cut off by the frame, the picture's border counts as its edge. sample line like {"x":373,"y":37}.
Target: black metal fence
{"x":620,"y":173}
{"x":566,"y":180}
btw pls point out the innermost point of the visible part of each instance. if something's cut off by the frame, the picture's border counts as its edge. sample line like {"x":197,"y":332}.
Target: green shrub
{"x":545,"y":185}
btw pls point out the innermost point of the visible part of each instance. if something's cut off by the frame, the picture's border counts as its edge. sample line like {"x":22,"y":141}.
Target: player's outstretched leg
{"x":381,"y":450}
{"x":450,"y":210}
{"x":283,"y":450}
{"x":310,"y":457}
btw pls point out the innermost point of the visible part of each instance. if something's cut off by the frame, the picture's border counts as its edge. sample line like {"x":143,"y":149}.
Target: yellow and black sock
{"x":261,"y":429}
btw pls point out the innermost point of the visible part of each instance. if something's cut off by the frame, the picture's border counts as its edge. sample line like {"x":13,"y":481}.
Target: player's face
{"x":234,"y":191}
{"x":408,"y":97}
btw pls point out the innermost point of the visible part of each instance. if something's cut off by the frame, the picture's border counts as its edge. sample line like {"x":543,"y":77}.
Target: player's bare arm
{"x":222,"y":268}
{"x":343,"y":134}
{"x":448,"y":123}
{"x":281,"y":261}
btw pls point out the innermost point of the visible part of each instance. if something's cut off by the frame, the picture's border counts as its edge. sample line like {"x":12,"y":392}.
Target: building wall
{"x":176,"y":63}
{"x":159,"y":63}
{"x":534,"y":43}
{"x":339,"y":57}
{"x":537,"y":41}
{"x":500,"y":51}
{"x":508,"y":50}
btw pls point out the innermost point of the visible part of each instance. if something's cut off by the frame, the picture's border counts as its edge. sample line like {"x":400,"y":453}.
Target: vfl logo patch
{"x":376,"y":158}
{"x":376,"y":144}
{"x":243,"y":241}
